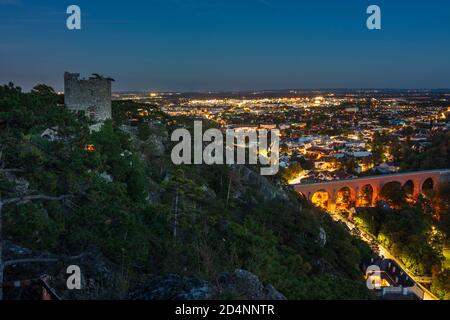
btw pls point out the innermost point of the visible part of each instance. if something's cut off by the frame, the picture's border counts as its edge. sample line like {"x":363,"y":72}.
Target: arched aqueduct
{"x":417,"y":181}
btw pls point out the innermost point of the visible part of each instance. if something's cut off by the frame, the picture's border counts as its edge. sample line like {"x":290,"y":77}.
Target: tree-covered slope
{"x":151,"y":218}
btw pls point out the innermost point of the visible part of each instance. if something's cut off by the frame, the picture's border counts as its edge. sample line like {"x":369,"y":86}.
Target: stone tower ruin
{"x":92,"y":96}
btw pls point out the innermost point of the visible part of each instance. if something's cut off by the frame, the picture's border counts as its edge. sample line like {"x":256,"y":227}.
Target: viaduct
{"x":416,"y":181}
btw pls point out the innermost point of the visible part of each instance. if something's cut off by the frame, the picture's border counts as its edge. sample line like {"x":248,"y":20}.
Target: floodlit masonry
{"x":418,"y":179}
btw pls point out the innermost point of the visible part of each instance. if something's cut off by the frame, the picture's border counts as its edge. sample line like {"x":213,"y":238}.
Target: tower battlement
{"x":92,"y":96}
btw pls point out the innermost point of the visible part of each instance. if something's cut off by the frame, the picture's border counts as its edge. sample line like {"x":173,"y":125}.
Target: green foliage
{"x":370,"y":220}
{"x":441,"y":285}
{"x":435,"y":156}
{"x":143,"y":131}
{"x":107,"y":218}
{"x":406,"y":233}
{"x":394,"y":194}
{"x":191,"y":223}
{"x":35,"y":225}
{"x":291,"y":173}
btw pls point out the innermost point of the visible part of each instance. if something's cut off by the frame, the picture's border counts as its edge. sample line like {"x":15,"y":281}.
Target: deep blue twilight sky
{"x":205,"y":45}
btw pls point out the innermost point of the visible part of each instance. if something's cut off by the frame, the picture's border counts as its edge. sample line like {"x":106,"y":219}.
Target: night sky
{"x":201,"y":45}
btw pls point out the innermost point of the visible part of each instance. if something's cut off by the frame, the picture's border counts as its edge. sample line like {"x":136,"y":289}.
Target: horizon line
{"x":279,"y":90}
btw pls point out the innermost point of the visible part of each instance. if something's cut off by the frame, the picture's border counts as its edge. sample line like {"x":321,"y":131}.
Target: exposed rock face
{"x":209,"y":191}
{"x":153,"y":197}
{"x":322,"y":238}
{"x":155,"y":145}
{"x":96,"y":127}
{"x":129,"y":129}
{"x":99,"y":277}
{"x":50,"y":134}
{"x":21,"y":185}
{"x":171,"y":287}
{"x":13,"y":251}
{"x":239,"y":284}
{"x":274,"y":294}
{"x":248,"y":179}
{"x":106,"y":177}
{"x":247,"y":285}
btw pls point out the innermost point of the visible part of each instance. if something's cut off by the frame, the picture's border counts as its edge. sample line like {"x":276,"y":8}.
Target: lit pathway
{"x":427,"y":295}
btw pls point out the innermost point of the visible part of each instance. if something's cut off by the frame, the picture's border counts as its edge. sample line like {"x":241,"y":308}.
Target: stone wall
{"x":93,"y":95}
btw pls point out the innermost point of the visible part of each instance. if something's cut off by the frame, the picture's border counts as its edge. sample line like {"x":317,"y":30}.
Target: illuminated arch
{"x":344,"y":198}
{"x":366,"y":195}
{"x":321,"y":198}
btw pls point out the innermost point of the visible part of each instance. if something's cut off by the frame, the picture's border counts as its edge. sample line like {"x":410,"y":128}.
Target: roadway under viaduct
{"x":416,"y":180}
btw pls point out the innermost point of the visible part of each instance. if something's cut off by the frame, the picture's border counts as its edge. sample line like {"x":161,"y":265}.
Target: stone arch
{"x":344,"y":198}
{"x":409,"y":188}
{"x":321,"y":198}
{"x":428,"y":185}
{"x":391,"y":192}
{"x":366,"y":195}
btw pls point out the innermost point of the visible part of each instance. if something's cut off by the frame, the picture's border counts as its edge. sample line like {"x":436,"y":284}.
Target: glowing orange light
{"x":320,"y":199}
{"x":89,"y":148}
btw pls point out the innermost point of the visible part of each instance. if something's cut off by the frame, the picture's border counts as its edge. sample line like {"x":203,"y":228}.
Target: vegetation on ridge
{"x":151,"y":217}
